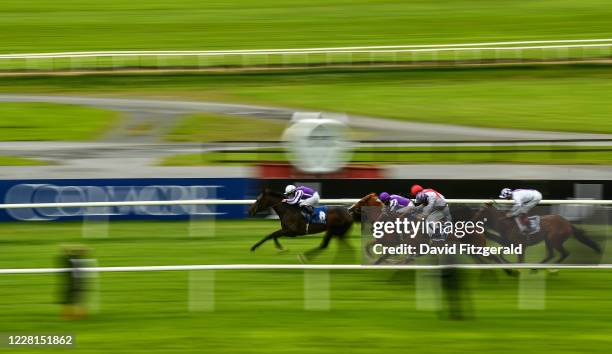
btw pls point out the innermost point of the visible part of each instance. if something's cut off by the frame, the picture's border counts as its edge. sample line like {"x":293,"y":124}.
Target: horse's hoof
{"x":302,"y":258}
{"x":282,"y":250}
{"x":253,"y":249}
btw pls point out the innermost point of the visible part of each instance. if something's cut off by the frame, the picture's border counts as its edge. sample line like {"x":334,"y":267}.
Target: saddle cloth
{"x":534,"y":224}
{"x":319,"y":216}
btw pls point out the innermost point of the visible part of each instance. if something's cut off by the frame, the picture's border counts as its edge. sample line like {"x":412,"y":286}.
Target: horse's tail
{"x":581,"y":236}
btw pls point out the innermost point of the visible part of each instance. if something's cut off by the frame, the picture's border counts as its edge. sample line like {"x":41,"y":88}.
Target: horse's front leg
{"x":274,"y":236}
{"x":308,"y":255}
{"x":278,"y":245}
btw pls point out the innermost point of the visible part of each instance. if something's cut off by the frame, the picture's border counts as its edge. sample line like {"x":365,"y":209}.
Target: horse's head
{"x":372,"y":200}
{"x":266,"y":199}
{"x":369,"y":200}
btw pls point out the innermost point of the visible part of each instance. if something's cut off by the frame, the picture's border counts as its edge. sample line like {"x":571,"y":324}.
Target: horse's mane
{"x":368,"y":196}
{"x":493,"y":207}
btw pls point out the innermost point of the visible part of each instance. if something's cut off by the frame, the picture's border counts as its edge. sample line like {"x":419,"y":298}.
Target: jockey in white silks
{"x":524,"y":201}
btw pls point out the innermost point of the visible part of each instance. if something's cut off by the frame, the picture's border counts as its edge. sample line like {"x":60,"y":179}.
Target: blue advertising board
{"x":109,"y":190}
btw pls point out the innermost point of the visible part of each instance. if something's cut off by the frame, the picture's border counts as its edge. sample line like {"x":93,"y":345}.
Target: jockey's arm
{"x":407,"y":210}
{"x":297,"y":196}
{"x":418,"y":208}
{"x":428,"y":208}
{"x":392,"y":205}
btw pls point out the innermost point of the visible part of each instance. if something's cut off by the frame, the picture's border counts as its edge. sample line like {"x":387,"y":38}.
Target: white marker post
{"x":93,"y":280}
{"x":428,"y":288}
{"x":201,"y":291}
{"x":202,"y":217}
{"x":96,"y":219}
{"x":532,"y":290}
{"x":317,"y":290}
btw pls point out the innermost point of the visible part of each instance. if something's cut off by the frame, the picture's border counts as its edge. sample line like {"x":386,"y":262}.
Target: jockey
{"x":303,"y":196}
{"x":524,"y":201}
{"x":433,"y":207}
{"x":395,"y":202}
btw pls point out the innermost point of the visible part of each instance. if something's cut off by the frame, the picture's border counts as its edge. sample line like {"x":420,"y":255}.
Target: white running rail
{"x":575,"y":43}
{"x":304,"y":267}
{"x":248,"y":202}
{"x":161,"y":58}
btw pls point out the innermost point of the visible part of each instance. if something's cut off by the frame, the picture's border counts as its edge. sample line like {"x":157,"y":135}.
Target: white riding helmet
{"x":505,"y":193}
{"x":290,"y":189}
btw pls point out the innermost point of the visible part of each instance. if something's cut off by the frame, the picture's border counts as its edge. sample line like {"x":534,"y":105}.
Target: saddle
{"x":318,"y":216}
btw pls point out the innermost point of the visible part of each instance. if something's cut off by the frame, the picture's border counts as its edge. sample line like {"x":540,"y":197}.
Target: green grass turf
{"x":216,"y":127}
{"x":49,"y":121}
{"x":262,"y":311}
{"x":65,"y":25}
{"x":408,"y":155}
{"x":563,"y":98}
{"x":20,"y":161}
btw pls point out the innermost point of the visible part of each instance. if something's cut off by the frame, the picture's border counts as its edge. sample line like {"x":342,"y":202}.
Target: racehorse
{"x":460,"y":213}
{"x":338,"y":222}
{"x":554,"y":231}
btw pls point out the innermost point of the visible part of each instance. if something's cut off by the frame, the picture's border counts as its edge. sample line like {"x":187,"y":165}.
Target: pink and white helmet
{"x":505,"y":193}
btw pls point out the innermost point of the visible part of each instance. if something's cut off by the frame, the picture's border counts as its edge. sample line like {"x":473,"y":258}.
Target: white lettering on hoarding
{"x":49,"y":193}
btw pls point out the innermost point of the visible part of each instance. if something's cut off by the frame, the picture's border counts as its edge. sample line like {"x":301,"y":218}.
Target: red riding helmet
{"x":415,"y":190}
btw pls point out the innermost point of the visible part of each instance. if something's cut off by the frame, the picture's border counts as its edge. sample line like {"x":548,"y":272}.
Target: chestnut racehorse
{"x":554,"y":231}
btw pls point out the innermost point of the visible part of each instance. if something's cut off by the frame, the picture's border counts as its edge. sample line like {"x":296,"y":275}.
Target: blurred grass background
{"x":52,"y":121}
{"x":562,"y":98}
{"x":259,"y":311}
{"x":67,"y":25}
{"x":546,"y":155}
{"x":20,"y":161}
{"x":218,"y":127}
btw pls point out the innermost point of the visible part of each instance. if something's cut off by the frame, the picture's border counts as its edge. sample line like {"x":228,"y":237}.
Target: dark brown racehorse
{"x":554,"y":231}
{"x":338,"y":222}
